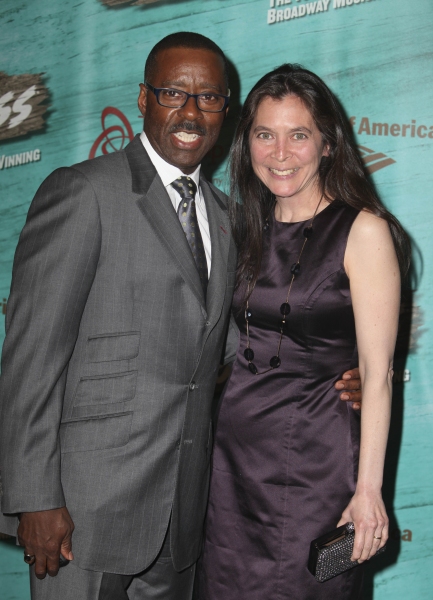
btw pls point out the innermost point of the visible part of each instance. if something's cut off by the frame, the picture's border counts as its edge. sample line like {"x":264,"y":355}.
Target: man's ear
{"x":142,"y":99}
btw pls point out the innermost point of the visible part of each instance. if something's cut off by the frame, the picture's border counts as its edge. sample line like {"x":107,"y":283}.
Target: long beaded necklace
{"x":295,"y":270}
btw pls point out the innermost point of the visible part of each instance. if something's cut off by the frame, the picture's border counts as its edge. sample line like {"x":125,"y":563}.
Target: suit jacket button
{"x":192,"y":385}
{"x":207,"y":323}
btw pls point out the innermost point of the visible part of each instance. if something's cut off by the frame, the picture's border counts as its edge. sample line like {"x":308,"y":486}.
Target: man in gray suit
{"x":113,"y":345}
{"x":116,"y":322}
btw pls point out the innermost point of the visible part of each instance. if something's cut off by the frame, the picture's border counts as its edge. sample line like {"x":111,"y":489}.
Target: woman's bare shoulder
{"x":370,"y":244}
{"x":369,"y":227}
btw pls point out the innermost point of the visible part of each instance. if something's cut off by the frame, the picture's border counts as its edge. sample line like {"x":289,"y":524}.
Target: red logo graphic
{"x":112,"y":138}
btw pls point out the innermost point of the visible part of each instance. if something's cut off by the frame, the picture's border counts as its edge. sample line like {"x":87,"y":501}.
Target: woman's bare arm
{"x":372,"y":267}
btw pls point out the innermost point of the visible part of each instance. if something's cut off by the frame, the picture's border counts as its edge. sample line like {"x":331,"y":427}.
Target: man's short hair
{"x":183,"y":39}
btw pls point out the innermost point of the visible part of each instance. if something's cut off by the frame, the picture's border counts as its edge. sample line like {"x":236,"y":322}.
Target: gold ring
{"x":377,"y":538}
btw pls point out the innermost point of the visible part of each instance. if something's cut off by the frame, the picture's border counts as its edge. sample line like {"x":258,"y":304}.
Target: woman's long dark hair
{"x":341,"y":174}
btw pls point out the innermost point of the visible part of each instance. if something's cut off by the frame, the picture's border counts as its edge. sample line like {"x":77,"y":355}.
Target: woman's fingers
{"x":369,"y":539}
{"x":377,"y":541}
{"x":380,"y":538}
{"x":358,"y":545}
{"x":342,"y":521}
{"x":385,"y":533}
{"x":364,"y":546}
{"x":371,"y":525}
{"x":367,"y":550}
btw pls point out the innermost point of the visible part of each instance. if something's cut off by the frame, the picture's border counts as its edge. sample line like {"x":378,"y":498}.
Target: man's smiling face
{"x":183,"y":136}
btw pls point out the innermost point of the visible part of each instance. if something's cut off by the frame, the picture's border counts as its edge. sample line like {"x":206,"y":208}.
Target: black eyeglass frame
{"x":157,"y":91}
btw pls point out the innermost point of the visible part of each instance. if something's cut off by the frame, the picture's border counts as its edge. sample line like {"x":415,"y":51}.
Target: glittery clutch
{"x":330,"y":554}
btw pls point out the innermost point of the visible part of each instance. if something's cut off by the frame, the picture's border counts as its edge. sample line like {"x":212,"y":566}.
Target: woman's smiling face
{"x":286,"y":147}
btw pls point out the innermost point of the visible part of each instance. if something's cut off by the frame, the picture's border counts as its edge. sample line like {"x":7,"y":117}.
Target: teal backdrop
{"x":69,"y":79}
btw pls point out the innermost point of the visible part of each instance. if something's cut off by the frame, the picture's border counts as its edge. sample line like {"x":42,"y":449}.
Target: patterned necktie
{"x":187,"y":214}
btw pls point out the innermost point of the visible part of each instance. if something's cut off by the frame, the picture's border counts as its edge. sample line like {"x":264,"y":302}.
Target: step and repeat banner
{"x":69,"y":78}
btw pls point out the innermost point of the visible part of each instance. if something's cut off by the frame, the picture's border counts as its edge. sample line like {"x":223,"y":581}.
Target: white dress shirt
{"x":168,"y":174}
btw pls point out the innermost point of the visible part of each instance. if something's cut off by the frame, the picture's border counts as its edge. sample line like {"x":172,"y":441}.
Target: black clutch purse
{"x":330,"y":554}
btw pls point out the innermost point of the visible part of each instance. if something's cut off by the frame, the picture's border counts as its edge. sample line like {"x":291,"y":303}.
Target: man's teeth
{"x":183,"y":136}
{"x":286,"y":172}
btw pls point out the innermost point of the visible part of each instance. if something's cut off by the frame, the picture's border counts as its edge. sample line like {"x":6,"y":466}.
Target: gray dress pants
{"x":159,"y":582}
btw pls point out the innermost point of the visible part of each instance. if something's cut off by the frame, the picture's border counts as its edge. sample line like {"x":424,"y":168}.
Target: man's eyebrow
{"x":181,"y":84}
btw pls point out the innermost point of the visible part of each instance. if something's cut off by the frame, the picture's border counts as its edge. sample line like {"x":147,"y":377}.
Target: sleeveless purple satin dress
{"x":286,"y":447}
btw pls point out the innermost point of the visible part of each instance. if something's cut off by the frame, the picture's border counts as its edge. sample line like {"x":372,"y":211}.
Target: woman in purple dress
{"x":318,"y":288}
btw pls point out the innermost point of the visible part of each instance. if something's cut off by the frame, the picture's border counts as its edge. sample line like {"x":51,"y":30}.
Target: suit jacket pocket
{"x":113,"y":346}
{"x":98,"y":433}
{"x":104,"y":389}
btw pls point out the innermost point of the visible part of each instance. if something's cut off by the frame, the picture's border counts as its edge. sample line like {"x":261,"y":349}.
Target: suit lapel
{"x":156,"y":206}
{"x":219,"y":228}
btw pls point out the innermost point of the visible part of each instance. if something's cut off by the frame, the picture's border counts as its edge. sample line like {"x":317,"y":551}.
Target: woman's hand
{"x":367,"y":512}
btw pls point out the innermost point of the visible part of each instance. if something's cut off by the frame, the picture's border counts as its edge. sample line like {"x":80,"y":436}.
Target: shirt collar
{"x":165,"y":170}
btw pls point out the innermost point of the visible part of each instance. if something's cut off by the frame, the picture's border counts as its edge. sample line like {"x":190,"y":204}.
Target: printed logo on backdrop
{"x":404,"y":535}
{"x":130,"y":2}
{"x":21,"y":108}
{"x":366,"y":126}
{"x":22,"y":158}
{"x":374,"y":161}
{"x":287,"y":10}
{"x":114,"y":136}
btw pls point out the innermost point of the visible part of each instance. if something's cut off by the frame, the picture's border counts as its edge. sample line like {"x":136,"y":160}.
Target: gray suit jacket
{"x":110,"y":362}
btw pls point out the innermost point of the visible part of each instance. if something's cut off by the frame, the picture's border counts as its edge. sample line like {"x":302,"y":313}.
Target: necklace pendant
{"x":295,"y":268}
{"x":275,"y":362}
{"x":252,"y":367}
{"x":285,"y":308}
{"x":249,"y":354}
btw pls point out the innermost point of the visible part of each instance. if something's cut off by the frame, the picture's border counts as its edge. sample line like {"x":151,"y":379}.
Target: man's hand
{"x":46,"y":534}
{"x":350,"y":385}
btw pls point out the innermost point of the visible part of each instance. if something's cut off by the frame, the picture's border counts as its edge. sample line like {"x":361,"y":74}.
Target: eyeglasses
{"x":171,"y":98}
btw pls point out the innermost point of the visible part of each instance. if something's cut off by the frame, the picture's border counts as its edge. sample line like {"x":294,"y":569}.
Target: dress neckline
{"x":288,"y":223}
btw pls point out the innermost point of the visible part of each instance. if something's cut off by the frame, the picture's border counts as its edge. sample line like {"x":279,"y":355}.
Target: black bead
{"x":285,"y":308}
{"x":275,"y":362}
{"x":295,"y":268}
{"x":266,"y":225}
{"x":252,"y":367}
{"x":308,"y":232}
{"x":248,"y":314}
{"x":248,"y":277}
{"x":249,"y":354}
